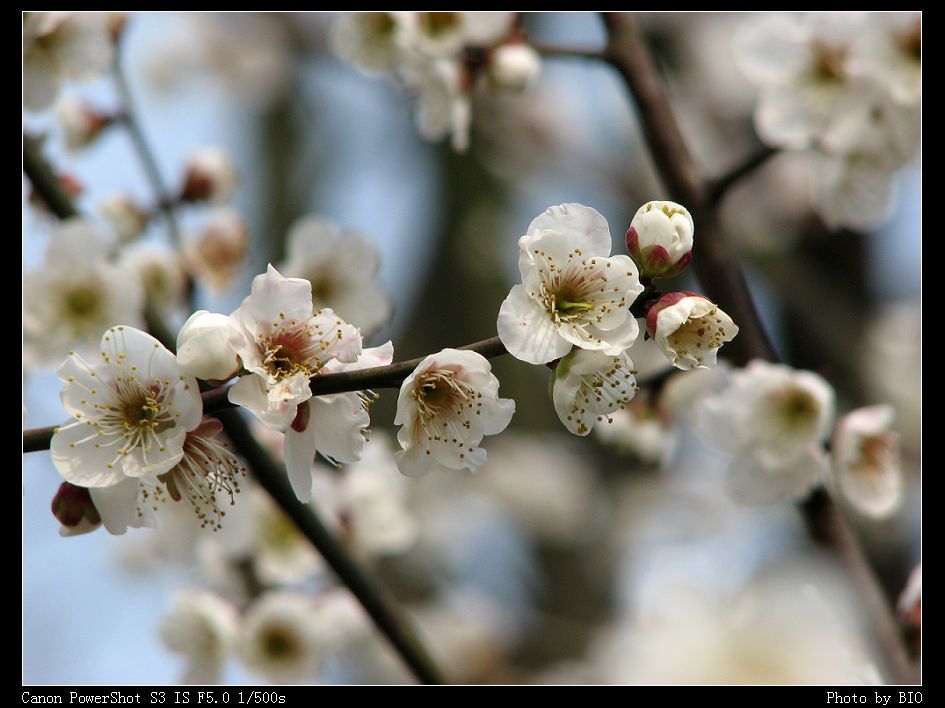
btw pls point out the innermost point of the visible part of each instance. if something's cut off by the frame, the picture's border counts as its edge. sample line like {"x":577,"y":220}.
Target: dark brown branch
{"x":379,"y":606}
{"x":720,"y":186}
{"x":716,"y":266}
{"x":370,"y":593}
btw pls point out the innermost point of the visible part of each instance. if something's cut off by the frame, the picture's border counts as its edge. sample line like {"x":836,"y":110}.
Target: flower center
{"x":797,"y":408}
{"x":280,"y":643}
{"x":829,"y":62}
{"x":282,"y":358}
{"x":439,"y":23}
{"x":381,"y":24}
{"x":142,"y":410}
{"x":83,"y":303}
{"x":875,"y":453}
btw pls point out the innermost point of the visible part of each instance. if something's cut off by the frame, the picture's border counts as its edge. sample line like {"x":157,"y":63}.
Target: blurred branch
{"x":44,"y":181}
{"x":717,"y":268}
{"x":718,"y":187}
{"x":381,"y":608}
{"x":552,"y":50}
{"x":164,"y":201}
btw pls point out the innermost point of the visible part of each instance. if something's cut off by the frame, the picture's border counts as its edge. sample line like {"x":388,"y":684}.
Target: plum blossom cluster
{"x":136,"y":436}
{"x":774,"y":422}
{"x":442,"y":58}
{"x":846,"y":88}
{"x":283,"y":636}
{"x":576,"y":308}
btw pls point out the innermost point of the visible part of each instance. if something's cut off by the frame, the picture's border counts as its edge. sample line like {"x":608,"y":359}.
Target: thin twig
{"x":45,"y":182}
{"x":370,"y":593}
{"x":391,"y":376}
{"x":148,"y":162}
{"x":379,"y":606}
{"x":554,"y":50}
{"x":718,"y":272}
{"x":719,"y":187}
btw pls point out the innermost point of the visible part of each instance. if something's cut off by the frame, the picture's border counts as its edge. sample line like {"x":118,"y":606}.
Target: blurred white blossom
{"x":76,"y":295}
{"x":342,"y":268}
{"x":866,"y":464}
{"x":774,"y":420}
{"x":59,"y":46}
{"x":203,"y":627}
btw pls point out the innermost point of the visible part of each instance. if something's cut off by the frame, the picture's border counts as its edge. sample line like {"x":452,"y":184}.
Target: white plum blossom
{"x":76,"y":295}
{"x":573,"y":293}
{"x":846,"y":87}
{"x":203,"y":627}
{"x":280,"y":638}
{"x":131,"y":414}
{"x":660,"y":239}
{"x":445,"y":407}
{"x":774,"y":420}
{"x":334,"y":425}
{"x":588,"y":386}
{"x":207,"y":474}
{"x":160,"y":270}
{"x":372,"y":41}
{"x":62,"y":45}
{"x":443,"y":106}
{"x":203,"y":347}
{"x":689,"y":329}
{"x":890,"y":52}
{"x":866,"y":464}
{"x":443,"y":34}
{"x":367,"y":500}
{"x":216,"y":253}
{"x":209,"y":175}
{"x":342,"y":268}
{"x":283,"y":343}
{"x":513,"y":67}
{"x":802,"y":63}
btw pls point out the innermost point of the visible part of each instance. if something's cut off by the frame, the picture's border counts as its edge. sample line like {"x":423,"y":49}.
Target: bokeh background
{"x":547,"y":565}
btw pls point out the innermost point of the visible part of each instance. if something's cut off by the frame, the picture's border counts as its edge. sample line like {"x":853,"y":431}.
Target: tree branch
{"x":391,"y":376}
{"x":716,"y":266}
{"x":720,"y":186}
{"x":164,"y":202}
{"x":379,"y":606}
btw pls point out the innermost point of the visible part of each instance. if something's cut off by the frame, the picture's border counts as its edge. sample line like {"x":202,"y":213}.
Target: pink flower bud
{"x":689,"y":329}
{"x":73,"y":504}
{"x":660,"y":239}
{"x":209,"y":176}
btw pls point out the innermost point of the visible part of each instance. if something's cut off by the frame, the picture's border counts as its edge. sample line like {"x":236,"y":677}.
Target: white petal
{"x":81,"y":463}
{"x":117,"y":505}
{"x":299,"y":456}
{"x":772,"y":48}
{"x":586,"y":228}
{"x":337,"y":422}
{"x":527,"y":331}
{"x":251,"y":393}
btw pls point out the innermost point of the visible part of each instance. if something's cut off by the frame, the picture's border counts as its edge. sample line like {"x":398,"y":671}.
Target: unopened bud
{"x":659,"y":239}
{"x":217,"y":253}
{"x":81,"y":124}
{"x":512,"y":67}
{"x":209,"y":176}
{"x":203,"y":347}
{"x":73,"y":507}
